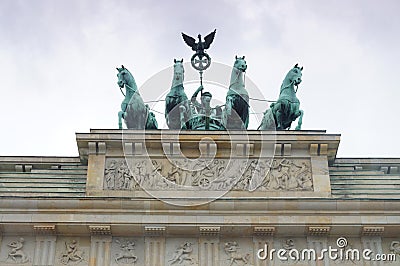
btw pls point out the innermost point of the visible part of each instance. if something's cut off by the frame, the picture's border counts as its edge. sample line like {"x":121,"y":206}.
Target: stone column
{"x":154,"y":245}
{"x":263,"y":239}
{"x":45,"y":246}
{"x":209,"y":246}
{"x":100,"y":245}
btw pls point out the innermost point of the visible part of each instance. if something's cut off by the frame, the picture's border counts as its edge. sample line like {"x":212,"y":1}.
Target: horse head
{"x":240,"y":63}
{"x":179,"y":72}
{"x":294,"y":75}
{"x":125,"y":78}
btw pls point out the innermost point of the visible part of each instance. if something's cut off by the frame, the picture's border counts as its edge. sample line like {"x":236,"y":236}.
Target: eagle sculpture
{"x":199,"y":46}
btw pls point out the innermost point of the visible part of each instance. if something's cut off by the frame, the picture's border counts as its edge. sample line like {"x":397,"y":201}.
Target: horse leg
{"x":228,"y":105}
{"x":300,"y":122}
{"x":225,"y":113}
{"x":278,"y":115}
{"x":120,"y":115}
{"x":182,"y":111}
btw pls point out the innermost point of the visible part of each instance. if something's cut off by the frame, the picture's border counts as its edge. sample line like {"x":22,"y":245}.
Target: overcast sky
{"x":58,"y":59}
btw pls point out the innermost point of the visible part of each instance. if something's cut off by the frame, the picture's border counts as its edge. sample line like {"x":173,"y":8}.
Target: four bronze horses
{"x":179,"y":113}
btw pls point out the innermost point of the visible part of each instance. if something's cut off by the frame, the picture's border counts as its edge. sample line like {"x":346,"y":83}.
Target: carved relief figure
{"x":231,"y":249}
{"x":127,"y":254}
{"x":244,"y":182}
{"x":117,"y":176}
{"x":279,"y":174}
{"x":16,"y":254}
{"x":72,"y":253}
{"x":110,"y":173}
{"x":183,"y":253}
{"x":395,"y":247}
{"x":260,"y":174}
{"x":289,"y":244}
{"x":209,"y":174}
{"x":287,"y":175}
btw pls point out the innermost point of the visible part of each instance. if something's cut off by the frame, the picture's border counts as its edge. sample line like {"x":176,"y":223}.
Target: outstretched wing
{"x":209,"y":39}
{"x":189,"y":40}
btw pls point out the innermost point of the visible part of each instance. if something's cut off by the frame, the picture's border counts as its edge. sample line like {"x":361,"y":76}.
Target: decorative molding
{"x":100,"y":229}
{"x":45,"y":229}
{"x":101,"y":148}
{"x":209,"y":230}
{"x":313,"y":149}
{"x":171,"y":148}
{"x":264,"y":230}
{"x":323,"y":149}
{"x":154,"y":230}
{"x":319,"y":230}
{"x":373,"y":230}
{"x":244,"y":149}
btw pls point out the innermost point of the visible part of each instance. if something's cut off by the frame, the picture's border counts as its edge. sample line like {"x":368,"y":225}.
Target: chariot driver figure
{"x":204,"y":107}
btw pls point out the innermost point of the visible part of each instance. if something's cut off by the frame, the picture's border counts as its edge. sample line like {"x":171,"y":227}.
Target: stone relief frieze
{"x":126,"y":254}
{"x":183,"y":255}
{"x":72,"y":254}
{"x":234,"y":256}
{"x":217,"y":174}
{"x":16,"y":254}
{"x":395,"y":247}
{"x":289,"y":244}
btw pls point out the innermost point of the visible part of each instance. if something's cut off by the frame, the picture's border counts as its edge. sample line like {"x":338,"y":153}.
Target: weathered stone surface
{"x":59,"y":200}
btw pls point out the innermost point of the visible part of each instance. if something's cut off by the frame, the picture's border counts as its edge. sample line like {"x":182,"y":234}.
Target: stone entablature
{"x":79,"y":211}
{"x":258,"y":163}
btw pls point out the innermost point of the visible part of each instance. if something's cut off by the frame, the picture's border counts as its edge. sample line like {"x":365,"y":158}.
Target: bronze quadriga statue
{"x":181,"y":113}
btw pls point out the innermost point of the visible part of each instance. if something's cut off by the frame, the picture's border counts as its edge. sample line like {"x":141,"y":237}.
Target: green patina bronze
{"x":176,"y":101}
{"x":135,"y":113}
{"x":203,"y":116}
{"x":236,"y":113}
{"x":193,"y":115}
{"x":283,"y":112}
{"x":180,"y":113}
{"x":200,"y":60}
